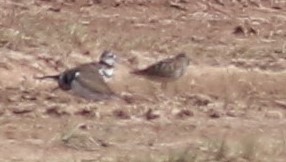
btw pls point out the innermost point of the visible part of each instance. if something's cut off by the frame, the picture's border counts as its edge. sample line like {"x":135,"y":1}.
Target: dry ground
{"x":230,"y":106}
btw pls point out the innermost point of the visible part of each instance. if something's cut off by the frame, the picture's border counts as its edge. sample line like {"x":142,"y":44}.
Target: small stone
{"x":121,"y":114}
{"x":239,"y":30}
{"x":56,"y":111}
{"x":28,"y":97}
{"x":129,"y":99}
{"x":86,"y":113}
{"x":80,"y":141}
{"x":133,"y":60}
{"x":274,"y":114}
{"x":233,"y":113}
{"x":13,"y":98}
{"x":199,"y":99}
{"x":84,"y":127}
{"x":150,"y":114}
{"x":185,"y":113}
{"x":22,"y":109}
{"x":103,"y":143}
{"x":213,"y":113}
{"x":55,"y":8}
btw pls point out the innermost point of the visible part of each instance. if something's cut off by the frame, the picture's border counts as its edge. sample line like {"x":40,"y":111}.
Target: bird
{"x":107,"y":63}
{"x":166,"y":70}
{"x":88,"y":80}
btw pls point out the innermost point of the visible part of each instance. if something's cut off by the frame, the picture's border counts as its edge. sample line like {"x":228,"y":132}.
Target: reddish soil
{"x":230,"y":105}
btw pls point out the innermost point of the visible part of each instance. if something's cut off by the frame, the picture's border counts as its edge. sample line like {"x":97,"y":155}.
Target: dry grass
{"x":29,"y":30}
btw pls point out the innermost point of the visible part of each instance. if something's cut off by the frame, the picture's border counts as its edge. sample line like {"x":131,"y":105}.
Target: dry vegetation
{"x":230,"y":106}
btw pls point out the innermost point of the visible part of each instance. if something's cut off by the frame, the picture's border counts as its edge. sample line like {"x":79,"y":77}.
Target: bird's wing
{"x":163,"y":68}
{"x":66,"y":78}
{"x":90,"y":78}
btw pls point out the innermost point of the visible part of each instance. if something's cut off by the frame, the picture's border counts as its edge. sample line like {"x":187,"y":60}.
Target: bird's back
{"x":167,"y":69}
{"x":90,"y":77}
{"x":86,"y":81}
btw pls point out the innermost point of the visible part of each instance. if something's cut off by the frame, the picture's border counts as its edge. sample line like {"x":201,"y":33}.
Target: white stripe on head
{"x":109,"y":61}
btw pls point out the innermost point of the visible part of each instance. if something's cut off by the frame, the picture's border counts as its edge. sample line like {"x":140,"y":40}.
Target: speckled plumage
{"x":166,"y":70}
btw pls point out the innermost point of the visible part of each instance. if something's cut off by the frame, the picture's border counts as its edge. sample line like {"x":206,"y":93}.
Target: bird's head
{"x":108,"y":58}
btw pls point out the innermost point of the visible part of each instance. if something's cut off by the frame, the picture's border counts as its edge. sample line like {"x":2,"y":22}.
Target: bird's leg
{"x":176,"y":89}
{"x":171,"y":90}
{"x":164,"y":85}
{"x":159,"y":92}
{"x":153,"y":91}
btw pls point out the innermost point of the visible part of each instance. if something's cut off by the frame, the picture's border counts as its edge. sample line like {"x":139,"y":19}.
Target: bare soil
{"x":230,"y":105}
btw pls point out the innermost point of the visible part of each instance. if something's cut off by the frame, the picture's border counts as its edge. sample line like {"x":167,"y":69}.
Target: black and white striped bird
{"x":166,"y":70}
{"x":107,"y":63}
{"x":88,"y":80}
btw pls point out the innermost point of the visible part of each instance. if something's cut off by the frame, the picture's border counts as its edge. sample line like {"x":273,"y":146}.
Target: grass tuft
{"x":182,"y":156}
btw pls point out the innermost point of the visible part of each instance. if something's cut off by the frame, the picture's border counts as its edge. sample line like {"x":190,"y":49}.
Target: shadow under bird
{"x":88,"y":80}
{"x":166,"y":70}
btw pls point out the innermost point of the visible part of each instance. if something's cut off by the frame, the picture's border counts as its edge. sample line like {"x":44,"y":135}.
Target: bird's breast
{"x":106,"y":73}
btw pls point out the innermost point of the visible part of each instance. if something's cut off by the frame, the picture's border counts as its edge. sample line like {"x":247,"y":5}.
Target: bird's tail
{"x":54,"y":77}
{"x":138,"y":72}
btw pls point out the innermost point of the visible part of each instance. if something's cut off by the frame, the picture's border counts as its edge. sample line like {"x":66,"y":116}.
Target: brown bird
{"x":166,"y":70}
{"x":88,"y":80}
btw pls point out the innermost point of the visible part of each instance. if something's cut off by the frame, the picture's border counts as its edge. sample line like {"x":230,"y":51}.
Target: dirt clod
{"x":151,"y":114}
{"x":185,"y":113}
{"x":86,"y":113}
{"x":199,"y":99}
{"x":121,"y":114}
{"x":56,"y":111}
{"x":274,"y":114}
{"x":212,"y":113}
{"x":22,"y":109}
